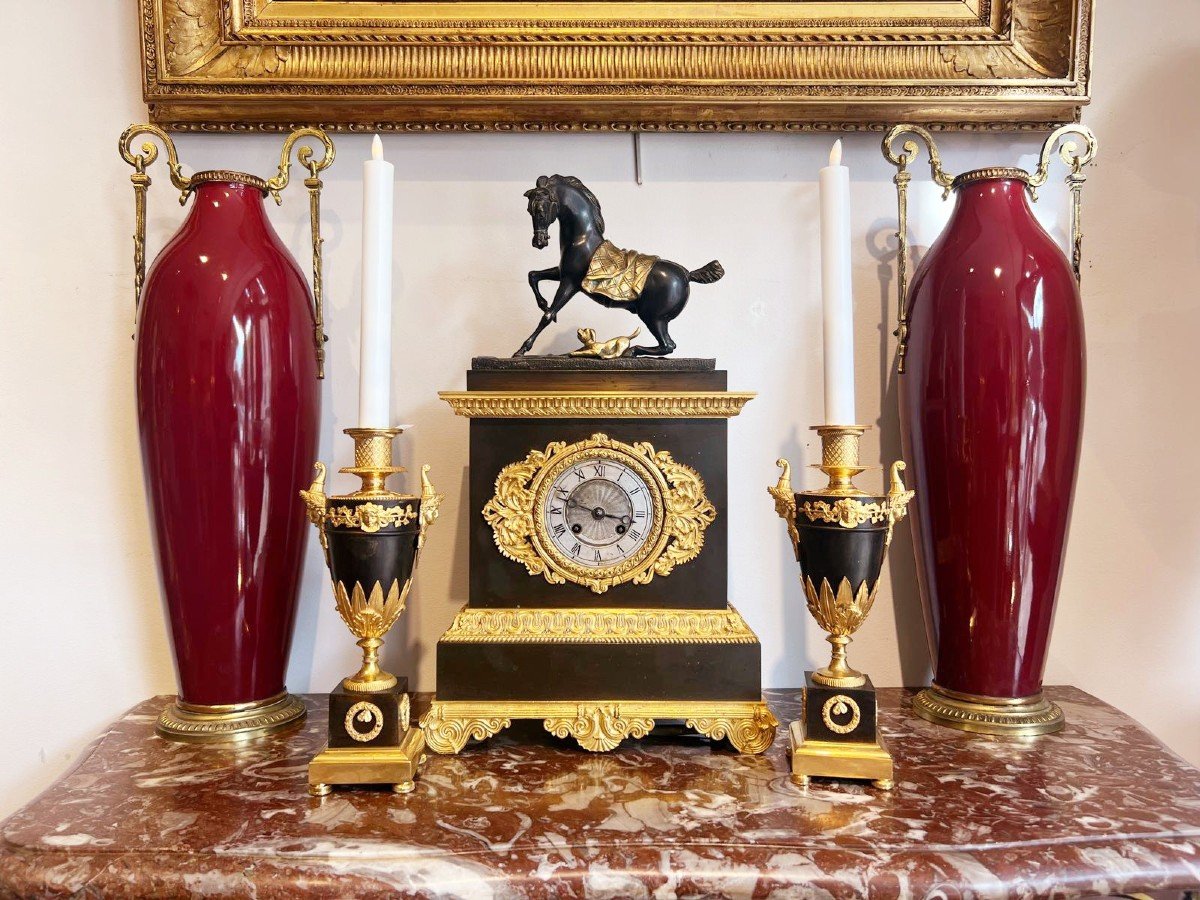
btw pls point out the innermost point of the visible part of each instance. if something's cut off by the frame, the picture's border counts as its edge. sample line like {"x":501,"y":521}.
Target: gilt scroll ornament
{"x":599,"y":727}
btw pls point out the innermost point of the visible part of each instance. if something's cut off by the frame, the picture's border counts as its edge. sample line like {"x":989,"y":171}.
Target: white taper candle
{"x":836,"y":293}
{"x":375,"y":342}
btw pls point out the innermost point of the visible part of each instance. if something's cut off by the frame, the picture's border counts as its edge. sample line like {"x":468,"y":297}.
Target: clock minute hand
{"x":572,"y":503}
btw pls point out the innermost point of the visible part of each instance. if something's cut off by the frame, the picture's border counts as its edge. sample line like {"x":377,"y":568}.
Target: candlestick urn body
{"x":840,"y":536}
{"x":991,"y":409}
{"x":372,"y":540}
{"x":228,"y":400}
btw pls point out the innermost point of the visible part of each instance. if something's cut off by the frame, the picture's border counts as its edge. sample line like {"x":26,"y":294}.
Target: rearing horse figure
{"x":656,"y":290}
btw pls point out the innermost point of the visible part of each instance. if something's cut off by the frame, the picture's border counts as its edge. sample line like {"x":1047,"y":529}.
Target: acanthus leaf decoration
{"x":193,"y":33}
{"x":688,"y":513}
{"x":193,"y":44}
{"x":1039,"y":42}
{"x":510,"y":512}
{"x":370,"y":615}
{"x":843,"y":611}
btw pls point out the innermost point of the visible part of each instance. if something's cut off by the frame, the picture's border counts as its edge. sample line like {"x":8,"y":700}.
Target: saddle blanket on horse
{"x":618,"y":274}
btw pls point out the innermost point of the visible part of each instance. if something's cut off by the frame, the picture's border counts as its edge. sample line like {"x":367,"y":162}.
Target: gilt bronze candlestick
{"x":840,"y":535}
{"x":372,"y":539}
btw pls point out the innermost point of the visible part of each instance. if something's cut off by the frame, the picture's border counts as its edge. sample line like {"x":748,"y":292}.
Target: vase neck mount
{"x":998,"y":199}
{"x":991,"y":173}
{"x":227,"y":176}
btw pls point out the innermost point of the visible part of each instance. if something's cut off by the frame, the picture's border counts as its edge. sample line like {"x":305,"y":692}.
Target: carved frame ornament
{"x":621,"y":65}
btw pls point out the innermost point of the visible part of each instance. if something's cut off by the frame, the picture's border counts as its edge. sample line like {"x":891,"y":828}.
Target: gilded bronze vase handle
{"x":431,"y":502}
{"x":313,"y":182}
{"x":316,"y":503}
{"x":1069,"y":153}
{"x":141,"y":182}
{"x":898,"y":498}
{"x":902,"y":161}
{"x":785,"y":503}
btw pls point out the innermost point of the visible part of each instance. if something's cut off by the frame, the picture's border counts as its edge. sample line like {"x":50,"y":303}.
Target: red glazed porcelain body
{"x":228,"y":398}
{"x":991,"y":410}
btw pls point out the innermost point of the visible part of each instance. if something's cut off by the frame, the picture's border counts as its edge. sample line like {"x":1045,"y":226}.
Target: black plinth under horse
{"x":654,"y":289}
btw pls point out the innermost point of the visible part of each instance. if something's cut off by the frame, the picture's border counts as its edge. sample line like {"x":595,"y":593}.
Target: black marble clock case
{"x":574,"y":670}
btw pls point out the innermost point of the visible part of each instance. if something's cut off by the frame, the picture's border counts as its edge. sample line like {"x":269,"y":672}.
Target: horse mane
{"x":572,"y":181}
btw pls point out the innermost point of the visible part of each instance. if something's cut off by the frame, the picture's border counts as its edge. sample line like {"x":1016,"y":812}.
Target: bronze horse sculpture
{"x":656,"y":290}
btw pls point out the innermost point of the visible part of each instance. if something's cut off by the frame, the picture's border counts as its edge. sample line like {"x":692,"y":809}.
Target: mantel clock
{"x":598,"y":560}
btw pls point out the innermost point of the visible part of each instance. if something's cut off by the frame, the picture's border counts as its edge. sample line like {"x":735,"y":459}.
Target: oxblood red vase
{"x":991,"y":407}
{"x":228,"y":400}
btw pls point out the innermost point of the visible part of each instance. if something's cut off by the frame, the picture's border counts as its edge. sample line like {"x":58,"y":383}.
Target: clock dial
{"x":597,"y":512}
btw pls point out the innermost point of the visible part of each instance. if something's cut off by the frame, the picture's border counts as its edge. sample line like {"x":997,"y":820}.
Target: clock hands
{"x":598,"y":512}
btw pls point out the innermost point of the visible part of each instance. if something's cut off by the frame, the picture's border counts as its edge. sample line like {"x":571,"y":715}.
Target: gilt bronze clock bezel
{"x":679,"y":506}
{"x":583,"y":453}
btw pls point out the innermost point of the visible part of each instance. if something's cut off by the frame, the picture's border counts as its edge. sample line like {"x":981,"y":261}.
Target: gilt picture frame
{"x":622,"y":65}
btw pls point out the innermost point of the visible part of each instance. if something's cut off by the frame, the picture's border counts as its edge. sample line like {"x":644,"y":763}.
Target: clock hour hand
{"x":599,"y":512}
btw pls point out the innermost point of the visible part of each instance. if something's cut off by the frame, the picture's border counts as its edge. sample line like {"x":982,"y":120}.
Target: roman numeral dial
{"x":596,"y":512}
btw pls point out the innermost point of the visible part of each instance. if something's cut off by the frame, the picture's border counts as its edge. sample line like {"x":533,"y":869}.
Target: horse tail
{"x":714,"y":271}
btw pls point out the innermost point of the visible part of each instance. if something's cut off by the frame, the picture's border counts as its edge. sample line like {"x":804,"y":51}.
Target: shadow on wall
{"x":908,"y":614}
{"x":409,"y":642}
{"x":316,"y":588}
{"x":135,"y":531}
{"x":1141,"y":257}
{"x":796,"y":619}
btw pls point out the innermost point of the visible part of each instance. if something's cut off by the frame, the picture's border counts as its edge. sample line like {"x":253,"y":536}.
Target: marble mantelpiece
{"x":1100,"y":808}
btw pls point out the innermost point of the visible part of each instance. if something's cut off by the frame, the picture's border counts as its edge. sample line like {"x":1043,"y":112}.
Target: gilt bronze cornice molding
{"x":594,"y":404}
{"x":598,"y":626}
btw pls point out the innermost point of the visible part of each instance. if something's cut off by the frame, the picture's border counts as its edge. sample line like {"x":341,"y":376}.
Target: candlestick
{"x":375,"y":343}
{"x":372,"y":540}
{"x":836,"y":293}
{"x":840,"y":536}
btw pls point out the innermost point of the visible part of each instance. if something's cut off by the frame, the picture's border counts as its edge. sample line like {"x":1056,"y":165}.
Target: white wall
{"x":80,"y":597}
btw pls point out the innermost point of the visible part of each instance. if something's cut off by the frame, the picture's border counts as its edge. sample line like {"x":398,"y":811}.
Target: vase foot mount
{"x":193,"y":723}
{"x":1012,"y":717}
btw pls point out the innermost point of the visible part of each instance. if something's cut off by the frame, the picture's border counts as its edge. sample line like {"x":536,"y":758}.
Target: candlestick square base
{"x":397,"y":766}
{"x":371,"y":741}
{"x":837,"y":737}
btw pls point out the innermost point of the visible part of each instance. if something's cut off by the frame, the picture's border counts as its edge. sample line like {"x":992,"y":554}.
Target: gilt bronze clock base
{"x":837,"y":737}
{"x":600,"y":725}
{"x":599,"y":675}
{"x":371,"y":741}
